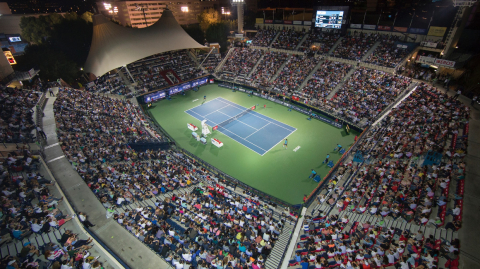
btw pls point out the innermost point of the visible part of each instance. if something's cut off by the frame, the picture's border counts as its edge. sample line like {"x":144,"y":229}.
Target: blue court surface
{"x":253,"y":130}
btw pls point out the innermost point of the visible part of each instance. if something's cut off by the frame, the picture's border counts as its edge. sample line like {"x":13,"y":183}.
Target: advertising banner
{"x":298,"y":22}
{"x":437,"y":31}
{"x":369,"y":27}
{"x":445,"y":63}
{"x":355,"y":26}
{"x":307,"y":23}
{"x":400,"y":29}
{"x":384,"y":28}
{"x":429,"y":44}
{"x":259,"y":20}
{"x":417,"y":31}
{"x":287,"y":22}
{"x":269,"y":21}
{"x":402,"y":46}
{"x":425,"y":59}
{"x":278,"y":21}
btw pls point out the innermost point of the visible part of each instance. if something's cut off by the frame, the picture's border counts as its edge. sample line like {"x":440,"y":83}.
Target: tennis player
{"x":204,"y":98}
{"x":285,"y":143}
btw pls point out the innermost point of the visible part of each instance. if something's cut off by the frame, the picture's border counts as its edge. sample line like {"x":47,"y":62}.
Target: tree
{"x":231,"y":24}
{"x":218,"y":33}
{"x":72,"y":37}
{"x":207,"y":18}
{"x":195,"y":32}
{"x":52,"y":64}
{"x":87,"y":16}
{"x":34,"y":30}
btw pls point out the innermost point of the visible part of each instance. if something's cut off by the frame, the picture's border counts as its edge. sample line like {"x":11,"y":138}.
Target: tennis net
{"x":234,"y":118}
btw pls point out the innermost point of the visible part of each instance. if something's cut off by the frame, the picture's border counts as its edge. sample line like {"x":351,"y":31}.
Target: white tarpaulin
{"x":114,"y":46}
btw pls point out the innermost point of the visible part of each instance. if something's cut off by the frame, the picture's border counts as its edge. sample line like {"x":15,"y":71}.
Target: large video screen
{"x":329,"y":19}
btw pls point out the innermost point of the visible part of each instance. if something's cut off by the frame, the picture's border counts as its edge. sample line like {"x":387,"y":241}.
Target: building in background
{"x":140,"y":14}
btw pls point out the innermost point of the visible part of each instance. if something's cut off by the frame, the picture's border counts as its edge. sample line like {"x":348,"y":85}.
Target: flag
{"x":215,"y":128}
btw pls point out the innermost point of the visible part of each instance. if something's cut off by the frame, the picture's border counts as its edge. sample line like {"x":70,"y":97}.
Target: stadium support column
{"x":129,"y":74}
{"x":239,"y":4}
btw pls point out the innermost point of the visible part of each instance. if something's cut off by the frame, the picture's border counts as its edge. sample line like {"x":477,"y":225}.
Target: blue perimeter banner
{"x":301,"y":110}
{"x":174,"y":90}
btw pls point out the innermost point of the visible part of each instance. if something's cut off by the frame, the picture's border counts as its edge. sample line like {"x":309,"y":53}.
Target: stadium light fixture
{"x":184,"y":9}
{"x":107,"y":6}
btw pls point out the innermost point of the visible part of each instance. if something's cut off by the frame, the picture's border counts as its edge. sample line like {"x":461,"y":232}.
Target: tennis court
{"x":249,"y":128}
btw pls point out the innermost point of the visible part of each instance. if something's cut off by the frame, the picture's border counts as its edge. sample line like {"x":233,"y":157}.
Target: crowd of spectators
{"x":197,"y":228}
{"x":29,"y":209}
{"x":268,"y":67}
{"x":206,"y":227}
{"x":334,"y":242}
{"x":325,"y":79}
{"x":388,"y":53}
{"x":95,"y":129}
{"x":294,"y":73}
{"x":264,"y":37}
{"x":324,"y":41}
{"x":355,"y":46}
{"x":241,"y":61}
{"x":211,"y":62}
{"x":288,"y":39}
{"x":110,"y":83}
{"x":365,"y":95}
{"x":16,"y":110}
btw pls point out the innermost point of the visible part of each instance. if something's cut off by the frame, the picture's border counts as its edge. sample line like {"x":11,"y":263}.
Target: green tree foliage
{"x":53,"y":64}
{"x":195,"y":32}
{"x":35,"y":30}
{"x":208,"y":17}
{"x":218,"y":33}
{"x":68,"y":38}
{"x":87,"y":16}
{"x":231,"y":24}
{"x":73,"y":37}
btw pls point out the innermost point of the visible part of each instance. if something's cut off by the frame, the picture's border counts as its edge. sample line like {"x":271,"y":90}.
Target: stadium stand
{"x":268,"y":67}
{"x":240,"y":63}
{"x":294,"y":73}
{"x":16,"y":122}
{"x":327,"y":77}
{"x":288,"y":39}
{"x":388,"y":53}
{"x":355,"y":46}
{"x":366,"y":94}
{"x":34,"y":233}
{"x":211,"y":62}
{"x":264,"y":37}
{"x":396,"y":199}
{"x":324,"y":41}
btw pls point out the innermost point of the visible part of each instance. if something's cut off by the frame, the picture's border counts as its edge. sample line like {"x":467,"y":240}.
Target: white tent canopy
{"x":114,"y":46}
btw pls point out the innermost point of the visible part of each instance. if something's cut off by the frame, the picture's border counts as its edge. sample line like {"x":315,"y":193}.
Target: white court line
{"x":238,"y":120}
{"x":218,"y":111}
{"x":253,"y":114}
{"x":201,"y":104}
{"x":52,"y":145}
{"x":256,"y":131}
{"x":54,"y":159}
{"x":279,"y":142}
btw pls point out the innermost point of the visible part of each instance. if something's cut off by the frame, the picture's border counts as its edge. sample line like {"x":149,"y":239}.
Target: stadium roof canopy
{"x":114,"y":46}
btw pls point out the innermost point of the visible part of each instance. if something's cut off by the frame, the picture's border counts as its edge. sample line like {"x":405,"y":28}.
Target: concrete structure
{"x":240,"y":5}
{"x":140,"y":14}
{"x":5,"y":67}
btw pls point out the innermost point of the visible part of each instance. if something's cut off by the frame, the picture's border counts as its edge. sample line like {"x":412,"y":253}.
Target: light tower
{"x":239,"y":4}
